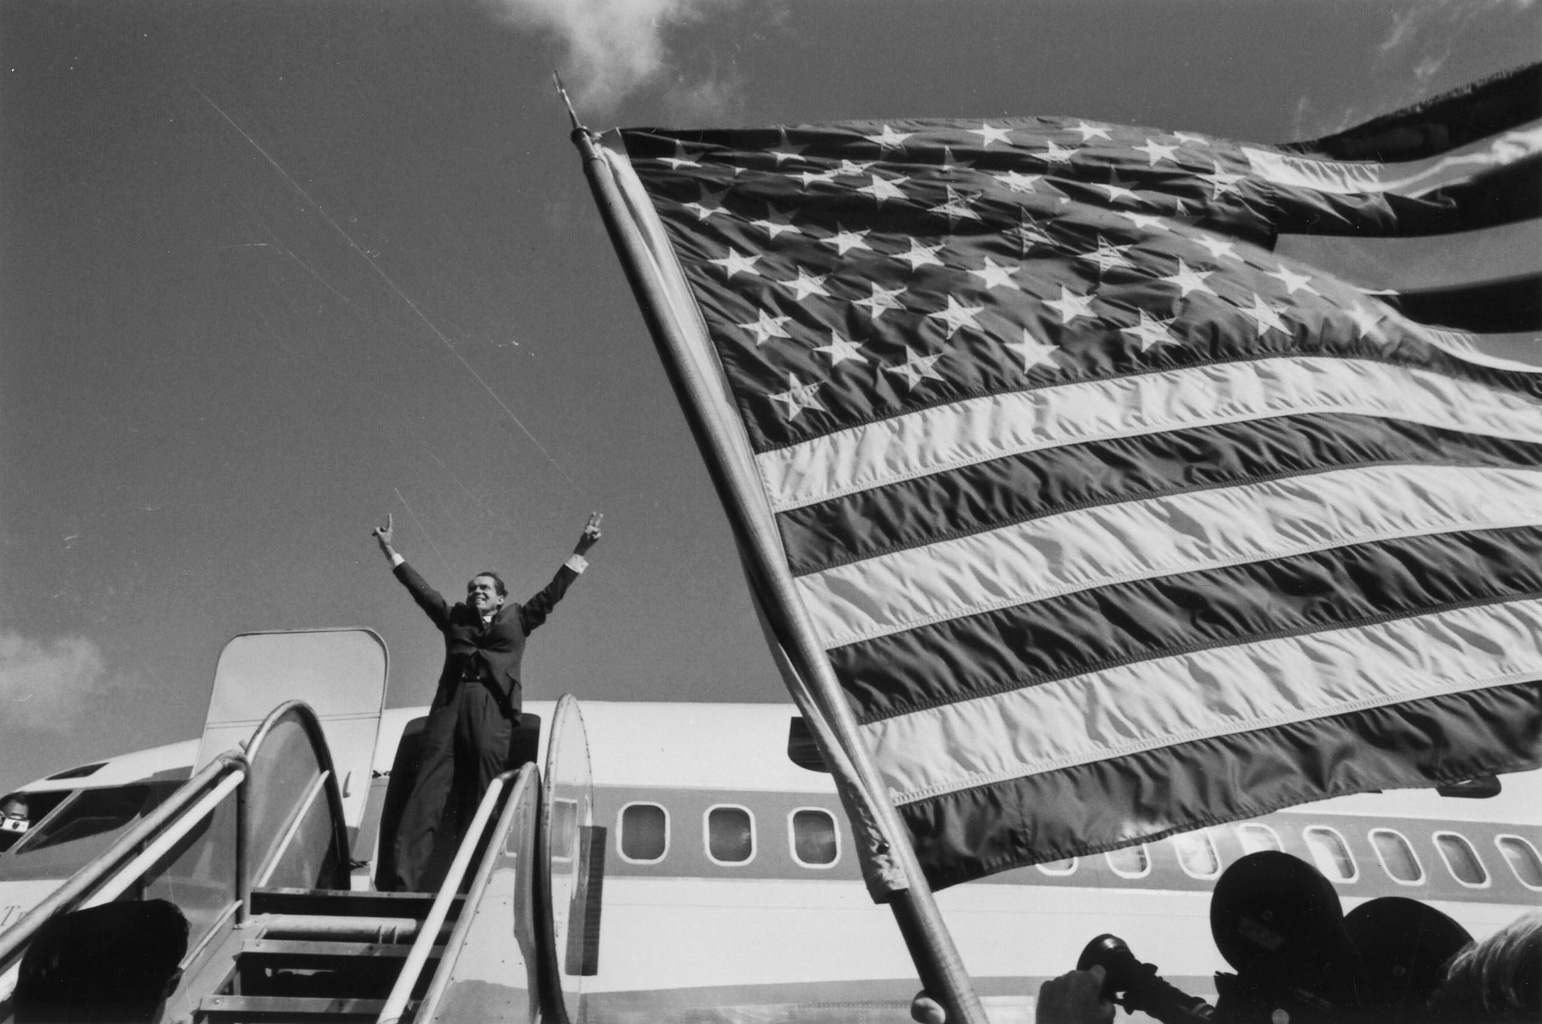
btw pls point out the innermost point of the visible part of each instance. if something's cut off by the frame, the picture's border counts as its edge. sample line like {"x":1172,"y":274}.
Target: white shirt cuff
{"x":578,"y":563}
{"x":396,"y":559}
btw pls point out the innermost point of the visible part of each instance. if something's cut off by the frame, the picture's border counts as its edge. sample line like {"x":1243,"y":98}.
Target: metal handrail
{"x":528,"y":776}
{"x":83,"y":882}
{"x":396,"y":1003}
{"x":159,"y":831}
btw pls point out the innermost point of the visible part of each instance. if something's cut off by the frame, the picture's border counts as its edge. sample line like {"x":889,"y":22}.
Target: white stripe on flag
{"x":1217,"y":692}
{"x":1410,"y":178}
{"x":1197,"y":530}
{"x":981,"y":429}
{"x":1517,"y":350}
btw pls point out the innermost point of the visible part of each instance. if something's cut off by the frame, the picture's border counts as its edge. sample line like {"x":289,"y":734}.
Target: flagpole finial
{"x":562,"y":92}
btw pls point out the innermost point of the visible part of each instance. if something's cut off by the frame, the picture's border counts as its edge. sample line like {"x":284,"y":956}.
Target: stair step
{"x":287,"y":1009}
{"x":331,"y":928}
{"x":347,"y":902}
{"x":331,"y":969}
{"x":309,"y":950}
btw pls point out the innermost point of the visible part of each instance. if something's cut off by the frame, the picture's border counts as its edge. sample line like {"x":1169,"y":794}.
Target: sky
{"x":271,"y":270}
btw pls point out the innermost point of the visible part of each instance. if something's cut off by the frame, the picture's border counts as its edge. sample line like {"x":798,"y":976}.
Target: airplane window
{"x":1523,"y":860}
{"x":1197,"y":855}
{"x":1058,"y":867}
{"x":1131,"y":862}
{"x":1397,"y":857}
{"x":815,"y":841}
{"x":730,"y":835}
{"x":644,"y":833}
{"x":95,"y":812}
{"x":77,"y":773}
{"x":1255,"y":838}
{"x":1330,"y":853}
{"x":1461,"y":859}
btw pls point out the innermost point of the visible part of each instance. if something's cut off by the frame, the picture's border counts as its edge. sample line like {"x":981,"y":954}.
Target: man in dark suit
{"x":465,"y":743}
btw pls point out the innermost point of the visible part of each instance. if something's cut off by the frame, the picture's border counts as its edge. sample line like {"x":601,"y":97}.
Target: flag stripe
{"x":1435,"y":125}
{"x":1489,"y":307}
{"x":1409,"y":178}
{"x":1151,"y":794}
{"x":1090,"y":630}
{"x":987,"y":495}
{"x":1410,"y":264}
{"x":1518,"y":350}
{"x":1214,"y":692}
{"x":1156,"y":537}
{"x":976,"y":430}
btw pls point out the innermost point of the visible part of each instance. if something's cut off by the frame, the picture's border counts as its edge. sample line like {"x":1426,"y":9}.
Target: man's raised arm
{"x":429,"y":599}
{"x":533,"y":612}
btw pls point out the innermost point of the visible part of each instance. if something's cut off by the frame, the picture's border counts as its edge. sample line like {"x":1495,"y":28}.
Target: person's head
{"x":13,"y":818}
{"x":486,"y":592}
{"x":1499,"y":979}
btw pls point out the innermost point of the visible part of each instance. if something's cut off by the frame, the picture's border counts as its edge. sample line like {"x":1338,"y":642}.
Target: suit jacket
{"x":498,"y":646}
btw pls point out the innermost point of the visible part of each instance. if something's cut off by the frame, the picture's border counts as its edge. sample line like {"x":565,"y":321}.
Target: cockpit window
{"x":83,"y":826}
{"x":79,"y":772}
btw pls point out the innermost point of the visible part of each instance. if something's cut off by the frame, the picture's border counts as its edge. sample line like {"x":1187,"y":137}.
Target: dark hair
{"x":503,"y":591}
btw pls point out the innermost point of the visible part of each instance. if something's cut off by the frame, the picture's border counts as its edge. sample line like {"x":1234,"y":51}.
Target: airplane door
{"x":340,"y":673}
{"x":572,"y":855}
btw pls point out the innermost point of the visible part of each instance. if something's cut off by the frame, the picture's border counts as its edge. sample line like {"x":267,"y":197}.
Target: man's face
{"x":482,"y":594}
{"x":13,"y":816}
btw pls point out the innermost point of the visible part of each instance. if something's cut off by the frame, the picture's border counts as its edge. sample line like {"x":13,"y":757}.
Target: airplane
{"x":654,"y":861}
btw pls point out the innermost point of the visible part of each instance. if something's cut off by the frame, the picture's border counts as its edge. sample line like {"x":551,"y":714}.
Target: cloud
{"x":614,"y":46}
{"x":47,"y":685}
{"x":711,"y":100}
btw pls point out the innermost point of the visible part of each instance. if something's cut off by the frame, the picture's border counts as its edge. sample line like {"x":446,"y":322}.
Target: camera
{"x":1136,"y":986}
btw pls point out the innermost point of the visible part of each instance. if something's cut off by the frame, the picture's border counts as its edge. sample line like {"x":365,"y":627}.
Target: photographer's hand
{"x":1074,"y":998}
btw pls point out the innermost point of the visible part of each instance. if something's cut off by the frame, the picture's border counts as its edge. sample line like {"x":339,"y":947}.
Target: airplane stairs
{"x":253,"y":855}
{"x":324,"y":954}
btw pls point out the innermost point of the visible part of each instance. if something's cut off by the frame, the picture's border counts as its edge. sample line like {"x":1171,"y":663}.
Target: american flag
{"x":1111,"y":520}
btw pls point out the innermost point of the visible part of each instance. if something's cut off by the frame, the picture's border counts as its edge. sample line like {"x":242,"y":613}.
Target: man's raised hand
{"x":382,"y":534}
{"x":591,"y":534}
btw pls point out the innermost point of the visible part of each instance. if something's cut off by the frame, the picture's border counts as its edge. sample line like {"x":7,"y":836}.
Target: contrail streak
{"x":387,"y":279}
{"x":442,"y":559}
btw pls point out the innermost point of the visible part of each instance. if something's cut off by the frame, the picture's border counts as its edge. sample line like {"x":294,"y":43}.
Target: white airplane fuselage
{"x":730,"y":878}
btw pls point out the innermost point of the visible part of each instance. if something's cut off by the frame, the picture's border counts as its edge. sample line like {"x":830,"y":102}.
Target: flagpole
{"x":909,"y":897}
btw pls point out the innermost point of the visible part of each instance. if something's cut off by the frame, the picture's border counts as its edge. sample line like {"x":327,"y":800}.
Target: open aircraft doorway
{"x":572,"y":860}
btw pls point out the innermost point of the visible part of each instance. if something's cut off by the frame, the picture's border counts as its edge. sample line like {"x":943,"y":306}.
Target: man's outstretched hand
{"x":591,"y":535}
{"x":382,"y":535}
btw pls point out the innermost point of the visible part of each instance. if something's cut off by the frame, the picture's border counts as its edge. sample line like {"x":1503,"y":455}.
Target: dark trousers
{"x":465,"y":746}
